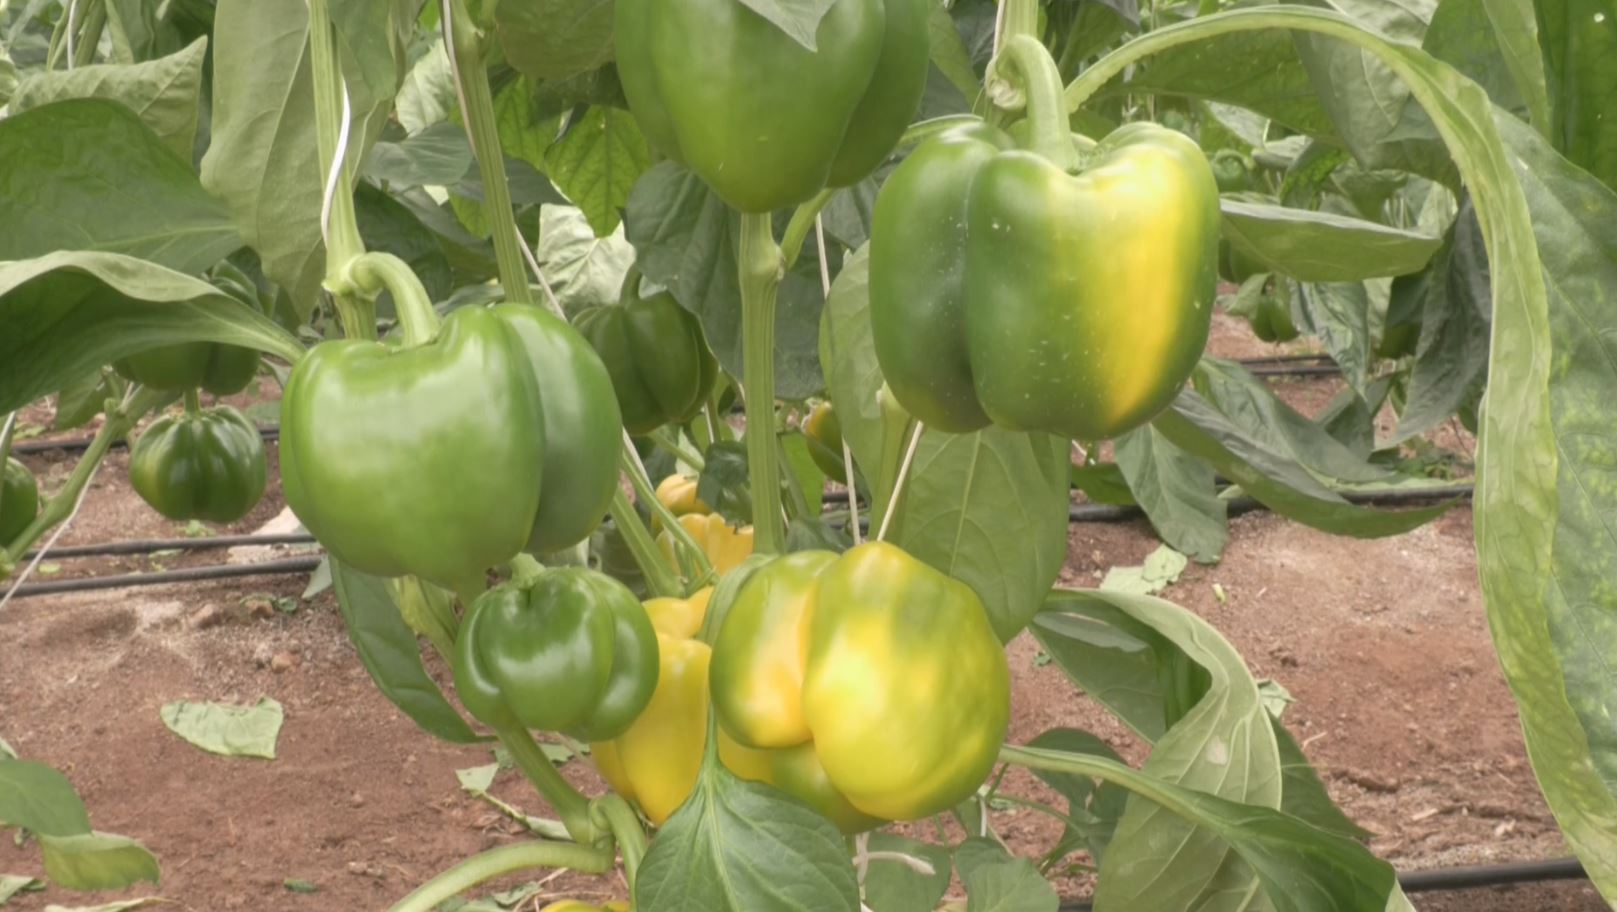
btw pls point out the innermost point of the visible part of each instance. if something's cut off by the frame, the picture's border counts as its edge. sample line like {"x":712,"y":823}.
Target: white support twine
{"x":898,"y":485}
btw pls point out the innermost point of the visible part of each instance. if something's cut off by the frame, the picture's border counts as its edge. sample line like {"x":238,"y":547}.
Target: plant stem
{"x":660,"y":580}
{"x":761,"y":267}
{"x":375,"y":272}
{"x":614,"y":814}
{"x":643,"y":493}
{"x":357,"y":313}
{"x":797,"y":230}
{"x":1046,"y":110}
{"x":60,"y":506}
{"x":94,"y":15}
{"x":477,"y":107}
{"x":662,"y":438}
{"x":1021,"y":18}
{"x":193,"y":402}
{"x":508,"y":859}
{"x":570,"y":806}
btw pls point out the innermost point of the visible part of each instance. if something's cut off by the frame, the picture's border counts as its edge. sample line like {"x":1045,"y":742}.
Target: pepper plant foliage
{"x":1427,"y":190}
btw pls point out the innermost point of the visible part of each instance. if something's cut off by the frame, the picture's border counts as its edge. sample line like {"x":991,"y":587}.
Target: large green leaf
{"x":40,"y":800}
{"x":87,"y":174}
{"x":1321,"y":246}
{"x":798,"y":18}
{"x":66,"y":314}
{"x":686,"y":239}
{"x":1221,"y":743}
{"x":164,"y":92}
{"x":1302,"y":868}
{"x":1340,"y":314}
{"x":892,"y":885}
{"x":990,"y":510}
{"x":596,"y":163}
{"x":848,"y":355}
{"x":97,"y":861}
{"x":737,"y":846}
{"x":997,"y":881}
{"x":1176,"y":491}
{"x":1579,"y":41}
{"x":554,"y":39}
{"x":387,"y":648}
{"x":1464,"y":35}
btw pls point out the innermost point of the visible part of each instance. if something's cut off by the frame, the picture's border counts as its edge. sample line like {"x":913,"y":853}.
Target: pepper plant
{"x":511,"y":261}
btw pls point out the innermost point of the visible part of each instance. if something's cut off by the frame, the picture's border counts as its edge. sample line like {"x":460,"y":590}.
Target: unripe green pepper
{"x":206,"y":464}
{"x":570,"y":650}
{"x":220,"y":369}
{"x":1029,"y":289}
{"x":824,"y":433}
{"x":19,"y":500}
{"x":424,"y":460}
{"x":654,"y":349}
{"x":765,"y":121}
{"x":880,"y":675}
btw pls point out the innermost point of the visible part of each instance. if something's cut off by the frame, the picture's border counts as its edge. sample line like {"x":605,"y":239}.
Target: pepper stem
{"x":644,"y":493}
{"x":572,"y":807}
{"x":1046,"y":106}
{"x":375,"y":272}
{"x":660,"y":580}
{"x":500,"y":861}
{"x":193,"y":402}
{"x":611,"y":812}
{"x":761,"y":267}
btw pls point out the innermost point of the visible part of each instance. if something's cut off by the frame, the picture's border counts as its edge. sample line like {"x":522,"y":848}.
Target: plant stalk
{"x":797,"y":230}
{"x":612,"y":813}
{"x":572,"y":807}
{"x":644,"y":493}
{"x":761,"y":267}
{"x":372,"y":273}
{"x":477,"y":107}
{"x":1046,"y":108}
{"x":341,"y":230}
{"x":498,"y":862}
{"x":660,"y":579}
{"x":89,"y":37}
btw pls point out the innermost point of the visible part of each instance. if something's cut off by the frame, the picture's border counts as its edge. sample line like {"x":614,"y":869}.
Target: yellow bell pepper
{"x":725,"y":545}
{"x":678,"y":493}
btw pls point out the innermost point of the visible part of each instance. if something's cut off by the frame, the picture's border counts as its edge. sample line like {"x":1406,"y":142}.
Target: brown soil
{"x":1384,"y":645}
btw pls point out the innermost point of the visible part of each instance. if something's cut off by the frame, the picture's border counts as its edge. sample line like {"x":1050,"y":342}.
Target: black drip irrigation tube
{"x":1469,"y":877}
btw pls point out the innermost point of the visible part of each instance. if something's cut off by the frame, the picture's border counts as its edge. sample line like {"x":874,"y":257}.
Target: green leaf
{"x":737,"y":846}
{"x":40,"y":800}
{"x":1303,"y":795}
{"x":597,"y":161}
{"x":437,"y":156}
{"x":223,"y":728}
{"x":1094,"y":809}
{"x":88,"y":175}
{"x":1221,"y":743}
{"x":163,"y":93}
{"x":1177,"y":492}
{"x":686,"y":239}
{"x":97,"y":861}
{"x":1339,"y":314}
{"x":1102,"y":483}
{"x":1160,"y":570}
{"x":388,"y":650}
{"x":848,"y":355}
{"x":389,"y":226}
{"x":892,"y":885}
{"x":1463,"y":36}
{"x":68,"y":313}
{"x":989,"y":509}
{"x":583,"y":270}
{"x":12,"y":884}
{"x":120,"y":906}
{"x":950,"y":56}
{"x":554,"y":39}
{"x":81,"y":400}
{"x":1301,"y":868}
{"x":997,"y":882}
{"x":1579,"y":42}
{"x":1258,"y":70}
{"x":799,"y":19}
{"x":1316,"y":246}
{"x":1277,"y":481}
{"x":1451,"y":358}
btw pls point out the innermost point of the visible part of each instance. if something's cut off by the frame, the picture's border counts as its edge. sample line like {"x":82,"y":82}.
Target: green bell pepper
{"x":662,"y":370}
{"x":19,"y":500}
{"x":1030,"y":289}
{"x":571,"y":650}
{"x":201,"y":464}
{"x":765,"y":121}
{"x":882,"y":674}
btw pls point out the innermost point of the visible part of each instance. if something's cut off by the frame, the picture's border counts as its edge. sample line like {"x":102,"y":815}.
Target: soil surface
{"x":1383,"y":644}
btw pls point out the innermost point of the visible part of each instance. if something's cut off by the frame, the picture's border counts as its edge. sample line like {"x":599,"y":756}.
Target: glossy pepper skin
{"x":1004,"y":290}
{"x":423,"y":461}
{"x":19,"y":500}
{"x":220,"y":369}
{"x":571,"y":650}
{"x":765,"y":121}
{"x":582,"y":428}
{"x":200,"y":465}
{"x":726,"y":546}
{"x":661,"y":368}
{"x":880,"y":670}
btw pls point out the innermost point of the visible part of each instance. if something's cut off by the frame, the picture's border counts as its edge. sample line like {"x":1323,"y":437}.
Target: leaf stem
{"x":761,"y":267}
{"x":497,"y":862}
{"x":660,"y":579}
{"x":797,"y":230}
{"x":482,"y":130}
{"x":644,"y":494}
{"x":572,"y":807}
{"x":662,"y":438}
{"x":612,"y":813}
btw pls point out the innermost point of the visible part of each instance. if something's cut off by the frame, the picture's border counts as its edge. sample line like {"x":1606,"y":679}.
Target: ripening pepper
{"x":569,"y":650}
{"x":875,"y":681}
{"x":204,"y":464}
{"x":678,"y":493}
{"x":824,"y":434}
{"x":19,"y":500}
{"x":220,"y":369}
{"x":726,"y":546}
{"x":1008,"y":289}
{"x":764,"y":120}
{"x":662,"y":370}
